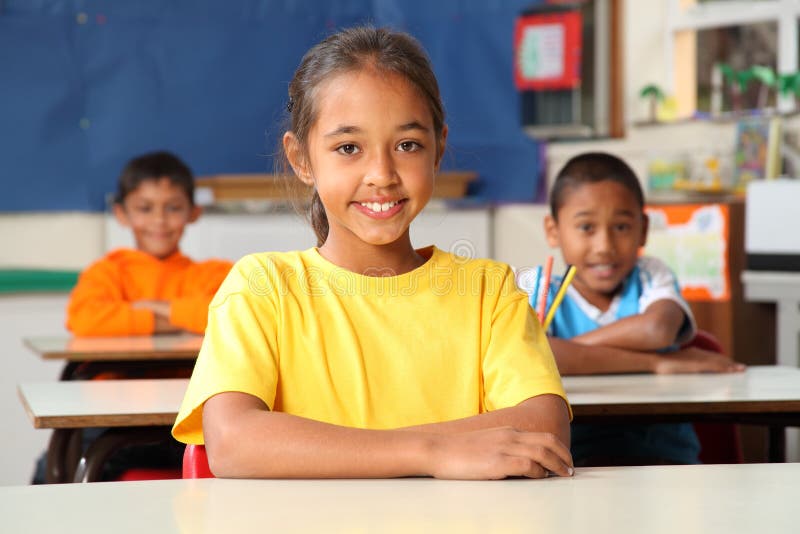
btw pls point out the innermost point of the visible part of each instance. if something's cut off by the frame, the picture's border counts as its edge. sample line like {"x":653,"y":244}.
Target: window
{"x":738,"y":33}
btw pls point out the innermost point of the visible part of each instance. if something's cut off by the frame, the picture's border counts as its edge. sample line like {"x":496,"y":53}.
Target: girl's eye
{"x":348,"y":149}
{"x":585,"y":228}
{"x":624,"y":227}
{"x":142,"y":209}
{"x":409,"y":146}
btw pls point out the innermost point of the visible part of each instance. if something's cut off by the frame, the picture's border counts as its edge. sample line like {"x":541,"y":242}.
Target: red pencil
{"x":545,"y":285}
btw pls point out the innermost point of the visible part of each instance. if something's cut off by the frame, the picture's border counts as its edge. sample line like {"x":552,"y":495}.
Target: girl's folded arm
{"x":244,"y":439}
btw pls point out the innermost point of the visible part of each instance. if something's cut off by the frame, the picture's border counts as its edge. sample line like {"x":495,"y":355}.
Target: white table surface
{"x":703,"y":499}
{"x":168,"y":346}
{"x":760,"y":389}
{"x":782,"y":288}
{"x":102,"y":403}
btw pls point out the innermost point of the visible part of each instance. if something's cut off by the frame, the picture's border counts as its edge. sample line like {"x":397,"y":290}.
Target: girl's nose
{"x":381,"y":171}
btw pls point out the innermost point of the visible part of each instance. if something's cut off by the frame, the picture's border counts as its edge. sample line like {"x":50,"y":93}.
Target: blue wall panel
{"x":85,"y":85}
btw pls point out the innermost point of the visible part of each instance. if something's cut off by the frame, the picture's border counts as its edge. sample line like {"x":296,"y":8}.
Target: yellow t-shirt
{"x":450,"y":339}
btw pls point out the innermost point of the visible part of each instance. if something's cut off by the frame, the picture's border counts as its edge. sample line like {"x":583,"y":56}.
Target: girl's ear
{"x":120,"y":215}
{"x":195,"y":213}
{"x":442,"y":146}
{"x":645,"y":228}
{"x":294,"y":153}
{"x":551,"y":231}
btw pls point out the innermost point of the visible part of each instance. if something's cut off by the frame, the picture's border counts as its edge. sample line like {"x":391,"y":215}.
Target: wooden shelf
{"x":272,"y":186}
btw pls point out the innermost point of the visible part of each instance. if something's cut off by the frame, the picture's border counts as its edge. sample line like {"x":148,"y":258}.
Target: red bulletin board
{"x":693,"y":240}
{"x":547,"y":51}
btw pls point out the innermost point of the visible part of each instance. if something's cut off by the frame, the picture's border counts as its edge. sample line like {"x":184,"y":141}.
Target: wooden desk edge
{"x":119,"y":356}
{"x":95,"y":421}
{"x":27,"y":407}
{"x":698,"y":408}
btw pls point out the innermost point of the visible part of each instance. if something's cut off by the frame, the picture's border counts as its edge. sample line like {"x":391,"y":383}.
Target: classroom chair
{"x":195,"y":462}
{"x":90,"y":466}
{"x":720,"y":443}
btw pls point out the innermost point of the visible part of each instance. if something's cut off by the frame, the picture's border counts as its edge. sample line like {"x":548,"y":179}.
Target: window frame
{"x":686,"y":17}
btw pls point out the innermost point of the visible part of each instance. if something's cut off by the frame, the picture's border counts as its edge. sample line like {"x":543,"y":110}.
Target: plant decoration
{"x":789,"y":84}
{"x":655,"y":95}
{"x":767,"y":77}
{"x":739,"y":81}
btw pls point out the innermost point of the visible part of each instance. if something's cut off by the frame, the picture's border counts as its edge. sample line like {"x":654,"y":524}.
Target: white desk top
{"x":657,"y":499}
{"x":771,"y":285}
{"x":173,"y":346}
{"x":101,"y":403}
{"x":759,"y":390}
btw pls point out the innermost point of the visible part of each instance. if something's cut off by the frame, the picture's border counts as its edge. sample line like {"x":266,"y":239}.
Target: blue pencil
{"x":534,"y":298}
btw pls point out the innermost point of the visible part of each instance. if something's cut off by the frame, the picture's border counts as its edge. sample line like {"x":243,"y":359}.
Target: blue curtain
{"x":86,"y":85}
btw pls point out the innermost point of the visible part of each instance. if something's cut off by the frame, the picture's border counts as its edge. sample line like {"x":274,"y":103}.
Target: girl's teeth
{"x":377,"y":207}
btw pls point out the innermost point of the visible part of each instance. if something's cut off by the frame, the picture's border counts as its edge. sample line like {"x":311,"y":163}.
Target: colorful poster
{"x":547,"y":51}
{"x":693,"y":240}
{"x":757,"y":153}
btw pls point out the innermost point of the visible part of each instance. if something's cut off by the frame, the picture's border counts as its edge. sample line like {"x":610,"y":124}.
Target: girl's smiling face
{"x":600,"y":229}
{"x":372,"y":155}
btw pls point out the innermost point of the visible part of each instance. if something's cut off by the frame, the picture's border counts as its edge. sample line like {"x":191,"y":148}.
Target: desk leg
{"x":90,"y":466}
{"x":63,"y":452}
{"x":788,"y":330}
{"x":777,"y":444}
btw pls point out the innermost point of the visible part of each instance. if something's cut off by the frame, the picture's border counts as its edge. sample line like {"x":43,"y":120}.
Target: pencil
{"x":559,"y":295}
{"x":545,"y":285}
{"x":534,"y":298}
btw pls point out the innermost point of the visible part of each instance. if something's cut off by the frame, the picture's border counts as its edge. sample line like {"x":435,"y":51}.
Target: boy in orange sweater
{"x":148,"y":290}
{"x":153,"y":288}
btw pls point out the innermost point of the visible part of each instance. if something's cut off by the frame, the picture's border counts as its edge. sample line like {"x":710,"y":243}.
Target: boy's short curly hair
{"x":593,"y":167}
{"x":152,"y":166}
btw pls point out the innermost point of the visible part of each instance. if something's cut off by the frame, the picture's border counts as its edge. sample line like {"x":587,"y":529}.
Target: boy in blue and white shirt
{"x":622,"y":313}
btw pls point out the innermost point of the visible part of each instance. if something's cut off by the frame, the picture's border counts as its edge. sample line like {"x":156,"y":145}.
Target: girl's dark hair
{"x":153,"y":166}
{"x":347,"y":51}
{"x":593,"y":167}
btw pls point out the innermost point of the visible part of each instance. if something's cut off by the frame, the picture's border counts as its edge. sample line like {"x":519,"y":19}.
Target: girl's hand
{"x":694,"y":360}
{"x":497,"y":453}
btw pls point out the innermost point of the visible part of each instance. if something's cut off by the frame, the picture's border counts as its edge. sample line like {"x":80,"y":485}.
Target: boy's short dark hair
{"x":152,"y":166}
{"x":593,"y":167}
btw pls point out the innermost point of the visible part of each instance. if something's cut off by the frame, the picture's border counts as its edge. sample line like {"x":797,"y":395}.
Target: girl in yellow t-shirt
{"x":365,"y":357}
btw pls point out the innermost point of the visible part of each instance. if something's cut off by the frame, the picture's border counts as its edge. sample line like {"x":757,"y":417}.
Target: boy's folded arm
{"x":581,"y":359}
{"x":280,"y":445}
{"x":109,"y":318}
{"x":97,"y":307}
{"x":190,"y":313}
{"x":654,"y":329}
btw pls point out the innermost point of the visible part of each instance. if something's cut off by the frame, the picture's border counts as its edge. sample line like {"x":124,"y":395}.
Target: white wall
{"x":67,"y":241}
{"x":24,"y":315}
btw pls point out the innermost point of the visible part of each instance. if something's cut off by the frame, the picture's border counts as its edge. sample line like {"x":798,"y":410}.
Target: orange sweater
{"x":100,"y":304}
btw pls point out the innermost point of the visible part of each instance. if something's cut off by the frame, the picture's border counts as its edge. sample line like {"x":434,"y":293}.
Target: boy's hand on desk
{"x":159,"y":307}
{"x":694,"y":360}
{"x":497,"y":453}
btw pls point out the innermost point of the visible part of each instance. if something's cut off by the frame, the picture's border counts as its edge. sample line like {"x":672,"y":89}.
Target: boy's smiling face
{"x":600,"y":228}
{"x":157,"y":212}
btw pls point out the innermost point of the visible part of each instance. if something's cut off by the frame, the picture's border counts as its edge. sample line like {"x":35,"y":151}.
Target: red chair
{"x":149,"y":474}
{"x":195,"y":462}
{"x":720,"y":443}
